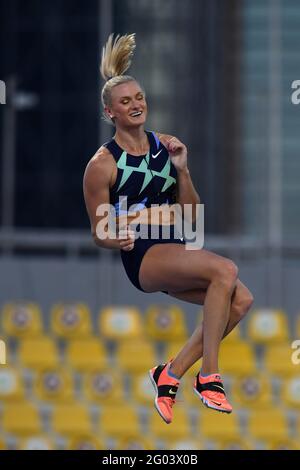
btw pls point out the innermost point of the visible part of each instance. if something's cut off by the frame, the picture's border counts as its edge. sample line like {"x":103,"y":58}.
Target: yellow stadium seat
{"x":119,"y":421}
{"x":283,"y":444}
{"x":267,"y":326}
{"x":171,"y":351}
{"x":22,"y":320}
{"x":278,"y":360}
{"x":38,"y":353}
{"x":234,"y":335}
{"x":184,"y":444}
{"x":71,"y":420}
{"x":165,"y":322}
{"x":135,"y":443}
{"x":86,"y":442}
{"x":11,"y":384}
{"x":237,"y":358}
{"x":268,"y":424}
{"x":217,"y":426}
{"x":179,"y":429}
{"x":71,"y":320}
{"x":135,"y":356}
{"x":86,"y":354}
{"x":290,"y":391}
{"x":2,"y":444}
{"x":120,"y":322}
{"x":252,"y":391}
{"x":234,"y":444}
{"x":54,"y":385}
{"x":142,"y":389}
{"x":21,"y":419}
{"x":36,"y":443}
{"x":103,"y":386}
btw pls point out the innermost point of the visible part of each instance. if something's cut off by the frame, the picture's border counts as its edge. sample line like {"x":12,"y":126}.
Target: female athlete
{"x":146,"y":168}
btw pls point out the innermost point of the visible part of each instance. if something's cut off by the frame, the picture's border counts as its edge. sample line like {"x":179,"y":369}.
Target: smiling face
{"x":128,"y":105}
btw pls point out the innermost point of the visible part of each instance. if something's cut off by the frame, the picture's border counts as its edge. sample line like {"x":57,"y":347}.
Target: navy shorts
{"x":132,"y":260}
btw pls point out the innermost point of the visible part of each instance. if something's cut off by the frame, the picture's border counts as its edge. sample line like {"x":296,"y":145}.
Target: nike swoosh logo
{"x":171,"y":392}
{"x":156,"y":155}
{"x":216,"y":403}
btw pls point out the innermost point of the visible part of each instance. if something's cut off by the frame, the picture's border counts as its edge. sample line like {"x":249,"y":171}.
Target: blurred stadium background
{"x":79,"y":337}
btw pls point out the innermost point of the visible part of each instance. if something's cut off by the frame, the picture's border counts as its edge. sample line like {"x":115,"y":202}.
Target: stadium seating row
{"x":160,"y":323}
{"x":110,"y":386}
{"x":237,"y":357}
{"x":145,"y":442}
{"x":123,"y":421}
{"x":67,"y":387}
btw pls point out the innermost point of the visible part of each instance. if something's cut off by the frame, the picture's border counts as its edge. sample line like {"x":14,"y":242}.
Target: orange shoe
{"x":211,"y":391}
{"x":165,"y":388}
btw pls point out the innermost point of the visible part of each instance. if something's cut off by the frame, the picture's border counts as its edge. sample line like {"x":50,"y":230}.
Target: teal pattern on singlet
{"x":144,"y":168}
{"x":143,"y":180}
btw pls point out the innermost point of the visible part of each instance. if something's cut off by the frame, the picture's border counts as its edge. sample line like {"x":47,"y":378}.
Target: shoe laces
{"x":216,"y":395}
{"x":171,"y":401}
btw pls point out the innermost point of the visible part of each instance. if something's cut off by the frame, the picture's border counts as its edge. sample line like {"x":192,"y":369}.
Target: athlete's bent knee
{"x":227,"y":275}
{"x":242,"y":306}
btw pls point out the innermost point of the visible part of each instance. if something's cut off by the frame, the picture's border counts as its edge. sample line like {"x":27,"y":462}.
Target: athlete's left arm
{"x":185,"y":191}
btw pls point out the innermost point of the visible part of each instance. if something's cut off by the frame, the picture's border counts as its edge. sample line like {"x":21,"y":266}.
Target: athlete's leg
{"x":172,"y":268}
{"x":192,"y":351}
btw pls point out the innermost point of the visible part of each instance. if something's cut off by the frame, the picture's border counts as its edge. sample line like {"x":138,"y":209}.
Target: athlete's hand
{"x":126,"y":238}
{"x":178,"y":153}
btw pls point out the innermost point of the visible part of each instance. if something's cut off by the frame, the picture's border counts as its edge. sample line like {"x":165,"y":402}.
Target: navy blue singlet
{"x":141,"y":181}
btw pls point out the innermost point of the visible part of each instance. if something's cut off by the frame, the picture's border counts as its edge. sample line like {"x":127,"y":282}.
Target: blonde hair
{"x":116,"y":59}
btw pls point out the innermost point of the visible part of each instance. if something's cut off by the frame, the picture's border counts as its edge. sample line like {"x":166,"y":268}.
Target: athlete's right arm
{"x":98,"y":178}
